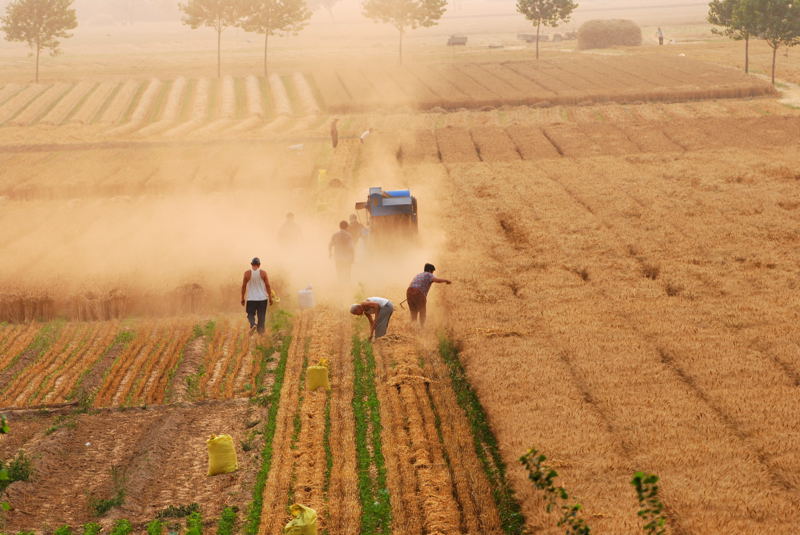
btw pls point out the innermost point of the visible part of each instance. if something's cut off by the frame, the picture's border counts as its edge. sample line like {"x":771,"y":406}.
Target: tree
{"x":737,"y":20}
{"x":405,"y":15}
{"x":327,"y":4}
{"x":546,"y":12}
{"x":777,"y":22}
{"x":217,"y":14}
{"x":270,"y":17}
{"x":40,"y":23}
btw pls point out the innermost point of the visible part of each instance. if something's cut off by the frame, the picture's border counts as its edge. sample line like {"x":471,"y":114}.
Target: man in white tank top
{"x":256,"y":294}
{"x":378,"y":311}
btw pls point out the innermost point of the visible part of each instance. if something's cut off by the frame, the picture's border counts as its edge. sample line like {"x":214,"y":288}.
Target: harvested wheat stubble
{"x":504,"y":92}
{"x":20,"y":101}
{"x":279,"y":480}
{"x":121,"y":102}
{"x":172,"y":108}
{"x":91,"y":107}
{"x":610,"y":139}
{"x":255,"y":102}
{"x":531,"y":91}
{"x":570,"y":140}
{"x":343,"y":490}
{"x":475,"y":90}
{"x":420,"y":95}
{"x":448,"y":94}
{"x":59,"y":113}
{"x":456,"y":145}
{"x":279,"y":96}
{"x":227,"y":103}
{"x":531,"y":142}
{"x":8,"y":91}
{"x":306,"y":95}
{"x":649,"y":138}
{"x":494,"y":145}
{"x":385,"y":92}
{"x":41,"y":105}
{"x":335,"y":98}
{"x":421,"y":148}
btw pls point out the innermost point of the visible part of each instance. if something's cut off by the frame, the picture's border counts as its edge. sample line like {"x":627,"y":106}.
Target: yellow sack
{"x":304,"y":523}
{"x":221,"y":455}
{"x":317,"y":376}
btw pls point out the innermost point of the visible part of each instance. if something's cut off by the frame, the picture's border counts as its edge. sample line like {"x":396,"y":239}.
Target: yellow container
{"x":221,"y":455}
{"x":317,"y":377}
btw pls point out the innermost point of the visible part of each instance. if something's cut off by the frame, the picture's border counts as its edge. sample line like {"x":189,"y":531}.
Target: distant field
{"x":573,"y":79}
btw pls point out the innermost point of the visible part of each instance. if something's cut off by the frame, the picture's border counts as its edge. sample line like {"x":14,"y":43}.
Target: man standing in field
{"x":255,"y":295}
{"x":417,"y":293}
{"x":289,"y":233}
{"x":378,"y":311}
{"x":342,"y":251}
{"x":660,"y":36}
{"x":334,"y":133}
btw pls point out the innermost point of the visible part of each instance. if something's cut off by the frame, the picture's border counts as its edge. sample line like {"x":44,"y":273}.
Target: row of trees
{"x":775,"y":21}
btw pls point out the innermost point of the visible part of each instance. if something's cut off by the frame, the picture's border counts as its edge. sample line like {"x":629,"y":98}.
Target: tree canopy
{"x":217,"y":14}
{"x":775,"y":21}
{"x":546,"y":13}
{"x":271,"y":17}
{"x":39,"y":23}
{"x":405,"y":14}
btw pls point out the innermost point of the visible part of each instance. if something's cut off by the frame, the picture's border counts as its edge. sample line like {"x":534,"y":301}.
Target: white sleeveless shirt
{"x":256,"y":289}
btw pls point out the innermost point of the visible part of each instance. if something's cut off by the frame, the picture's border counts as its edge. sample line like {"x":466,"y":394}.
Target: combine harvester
{"x":391,"y":216}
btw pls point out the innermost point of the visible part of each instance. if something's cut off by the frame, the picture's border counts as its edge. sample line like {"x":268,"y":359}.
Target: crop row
{"x":166,"y":103}
{"x":109,"y":364}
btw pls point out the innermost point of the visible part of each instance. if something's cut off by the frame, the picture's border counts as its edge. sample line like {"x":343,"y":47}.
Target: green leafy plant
{"x":651,"y":509}
{"x":63,"y":530}
{"x":4,"y":428}
{"x":206,"y":330}
{"x":194,"y":524}
{"x":19,"y":468}
{"x":155,"y":527}
{"x":227,"y":521}
{"x":178,"y":511}
{"x":101,"y":506}
{"x":557,"y":498}
{"x":376,"y":511}
{"x":326,"y":444}
{"x":92,"y":528}
{"x":122,"y":527}
{"x":486,"y":447}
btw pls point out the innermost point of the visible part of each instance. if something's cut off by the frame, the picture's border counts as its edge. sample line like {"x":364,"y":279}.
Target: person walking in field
{"x":289,"y":233}
{"x":378,"y":311}
{"x":417,"y":293}
{"x":660,"y":36}
{"x":342,"y":251}
{"x":256,"y":293}
{"x":334,"y":133}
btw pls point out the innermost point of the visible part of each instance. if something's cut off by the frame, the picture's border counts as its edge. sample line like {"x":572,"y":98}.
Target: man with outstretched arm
{"x":378,"y":311}
{"x":256,"y":293}
{"x":417,"y":293}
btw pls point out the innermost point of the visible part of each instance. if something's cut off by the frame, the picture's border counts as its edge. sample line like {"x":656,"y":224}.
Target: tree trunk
{"x":538,"y":27}
{"x":38,"y":50}
{"x":219,"y":53}
{"x":774,"y":53}
{"x":400,"y":49}
{"x":747,"y":53}
{"x":266,"y":44}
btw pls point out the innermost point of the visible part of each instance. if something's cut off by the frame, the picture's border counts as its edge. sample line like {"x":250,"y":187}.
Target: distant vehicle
{"x":390,"y":214}
{"x":457,"y":40}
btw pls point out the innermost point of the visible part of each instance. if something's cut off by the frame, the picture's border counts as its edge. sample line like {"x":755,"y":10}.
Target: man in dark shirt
{"x":342,"y":251}
{"x":417,"y":293}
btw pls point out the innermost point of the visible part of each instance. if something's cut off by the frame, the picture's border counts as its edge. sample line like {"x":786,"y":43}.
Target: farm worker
{"x":342,"y":251}
{"x":289,"y":233}
{"x":660,"y":35}
{"x":365,"y":134}
{"x":355,"y":229}
{"x":417,"y":293}
{"x":256,"y":288}
{"x":382,"y":310}
{"x":334,"y":133}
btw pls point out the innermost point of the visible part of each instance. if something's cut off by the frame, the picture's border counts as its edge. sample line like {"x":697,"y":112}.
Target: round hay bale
{"x":608,"y":33}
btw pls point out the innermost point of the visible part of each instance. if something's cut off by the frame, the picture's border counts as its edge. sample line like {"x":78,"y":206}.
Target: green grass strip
{"x":272,"y":401}
{"x":376,"y":511}
{"x":227,"y":522}
{"x":486,"y":448}
{"x":326,"y":444}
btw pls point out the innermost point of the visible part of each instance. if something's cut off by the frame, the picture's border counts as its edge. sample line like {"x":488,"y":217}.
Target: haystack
{"x":608,"y":33}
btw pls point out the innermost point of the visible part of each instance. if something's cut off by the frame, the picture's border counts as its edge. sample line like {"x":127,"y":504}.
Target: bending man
{"x":378,"y":311}
{"x":417,"y":293}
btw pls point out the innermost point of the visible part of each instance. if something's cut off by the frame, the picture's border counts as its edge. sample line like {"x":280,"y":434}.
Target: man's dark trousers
{"x":257,"y":308}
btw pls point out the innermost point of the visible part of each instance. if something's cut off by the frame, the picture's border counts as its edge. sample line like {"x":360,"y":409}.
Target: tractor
{"x":391,"y":215}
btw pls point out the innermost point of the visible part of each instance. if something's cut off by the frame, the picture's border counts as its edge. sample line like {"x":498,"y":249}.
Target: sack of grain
{"x":304,"y":522}
{"x":317,"y":376}
{"x":221,"y":455}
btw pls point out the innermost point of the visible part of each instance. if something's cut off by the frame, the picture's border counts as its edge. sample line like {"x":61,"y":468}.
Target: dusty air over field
{"x":415,"y":267}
